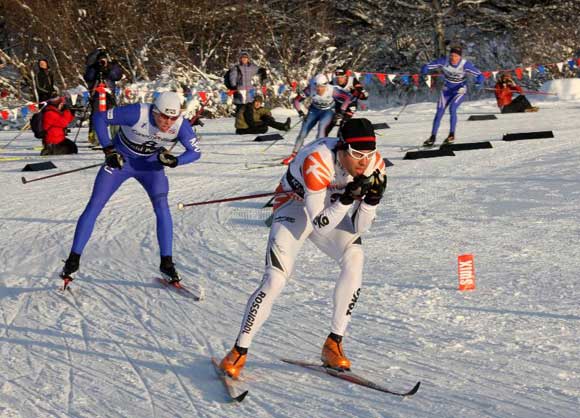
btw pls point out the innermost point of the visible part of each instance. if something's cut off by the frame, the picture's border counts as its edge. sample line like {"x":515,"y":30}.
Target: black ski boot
{"x":429,"y":142}
{"x":71,"y":265}
{"x":450,"y":138}
{"x":167,"y":269}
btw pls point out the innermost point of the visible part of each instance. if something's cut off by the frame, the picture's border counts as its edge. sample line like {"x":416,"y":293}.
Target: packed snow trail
{"x":122,"y":345}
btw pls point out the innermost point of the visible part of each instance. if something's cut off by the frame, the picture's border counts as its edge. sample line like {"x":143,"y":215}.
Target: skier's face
{"x":320,"y":89}
{"x":454,"y":58}
{"x":356,"y":162}
{"x":164,"y":122}
{"x":244,"y":60}
{"x":341,"y":80}
{"x":43,"y":64}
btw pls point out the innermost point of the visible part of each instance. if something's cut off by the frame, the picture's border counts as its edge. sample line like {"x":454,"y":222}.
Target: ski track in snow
{"x":120,"y":345}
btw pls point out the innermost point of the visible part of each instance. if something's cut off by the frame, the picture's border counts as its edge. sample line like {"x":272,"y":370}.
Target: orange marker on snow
{"x":466,"y":271}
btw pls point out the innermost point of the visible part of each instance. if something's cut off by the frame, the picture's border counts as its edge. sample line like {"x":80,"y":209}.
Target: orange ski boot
{"x":332,"y":354}
{"x":234,"y":362}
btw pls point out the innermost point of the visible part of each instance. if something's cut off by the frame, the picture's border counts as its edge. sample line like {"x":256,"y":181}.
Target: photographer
{"x":504,"y":89}
{"x":100,"y":68}
{"x":55,"y":119}
{"x":254,"y":118}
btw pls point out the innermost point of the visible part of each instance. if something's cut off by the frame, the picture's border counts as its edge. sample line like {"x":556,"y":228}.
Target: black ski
{"x":236,"y":390}
{"x":197,"y":294}
{"x":351,"y":377}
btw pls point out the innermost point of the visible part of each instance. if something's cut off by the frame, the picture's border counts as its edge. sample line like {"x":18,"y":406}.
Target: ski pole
{"x":82,"y":120}
{"x":22,"y":130}
{"x":401,"y":111}
{"x":182,"y":205}
{"x":274,"y":142}
{"x":24,"y":180}
{"x":528,"y":91}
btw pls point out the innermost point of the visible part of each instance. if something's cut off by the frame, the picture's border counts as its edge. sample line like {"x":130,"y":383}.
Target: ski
{"x":236,"y":390}
{"x":416,"y":147}
{"x":67,"y":280}
{"x":195,"y":293}
{"x":257,"y":166}
{"x":351,"y":377}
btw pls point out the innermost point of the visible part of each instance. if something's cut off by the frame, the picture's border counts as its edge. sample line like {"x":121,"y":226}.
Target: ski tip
{"x":414,"y":390}
{"x":241,"y":396}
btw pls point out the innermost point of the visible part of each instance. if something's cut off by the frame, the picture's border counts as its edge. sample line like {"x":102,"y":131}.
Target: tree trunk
{"x":438,"y":30}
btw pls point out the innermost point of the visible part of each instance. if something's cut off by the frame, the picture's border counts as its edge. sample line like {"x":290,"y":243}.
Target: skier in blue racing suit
{"x":138,"y":151}
{"x":454,"y":69}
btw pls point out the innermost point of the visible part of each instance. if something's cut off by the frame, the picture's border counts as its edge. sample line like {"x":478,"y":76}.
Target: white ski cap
{"x":321,"y":80}
{"x":168,"y":103}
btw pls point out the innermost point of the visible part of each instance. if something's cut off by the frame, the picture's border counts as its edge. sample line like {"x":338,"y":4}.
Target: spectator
{"x":55,"y":119}
{"x":254,"y":118}
{"x":100,"y":68}
{"x":504,"y":89}
{"x":44,"y":82}
{"x":242,"y":78}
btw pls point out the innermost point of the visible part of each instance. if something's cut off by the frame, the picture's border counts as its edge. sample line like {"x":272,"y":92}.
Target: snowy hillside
{"x":121,"y":346}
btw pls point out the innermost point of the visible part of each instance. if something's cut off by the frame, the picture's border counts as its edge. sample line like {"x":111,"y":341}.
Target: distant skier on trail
{"x":324,"y":98}
{"x":138,"y":151}
{"x":352,"y":85}
{"x":454,"y":70}
{"x":328,"y":179}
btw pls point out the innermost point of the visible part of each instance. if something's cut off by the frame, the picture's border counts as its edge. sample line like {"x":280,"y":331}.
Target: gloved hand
{"x":112,"y":158}
{"x":166,"y":158}
{"x":301,"y":114}
{"x":376,"y":190}
{"x":356,"y":188}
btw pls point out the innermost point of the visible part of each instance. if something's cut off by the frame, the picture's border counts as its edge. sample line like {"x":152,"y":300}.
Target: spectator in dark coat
{"x":245,"y":76}
{"x":100,"y":68}
{"x":254,"y":118}
{"x":55,"y":119}
{"x":44,"y":82}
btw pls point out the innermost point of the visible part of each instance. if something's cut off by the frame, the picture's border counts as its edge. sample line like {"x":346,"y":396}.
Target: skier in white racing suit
{"x":328,"y":179}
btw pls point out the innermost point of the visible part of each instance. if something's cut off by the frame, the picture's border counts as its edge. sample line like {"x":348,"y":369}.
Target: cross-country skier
{"x":352,"y":85}
{"x":138,"y":151}
{"x":329,"y":195}
{"x":324,"y":98}
{"x":454,"y":69}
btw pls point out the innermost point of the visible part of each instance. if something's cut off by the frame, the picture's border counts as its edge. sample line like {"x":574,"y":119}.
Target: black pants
{"x":62,"y":148}
{"x":518,"y":105}
{"x":261,"y":129}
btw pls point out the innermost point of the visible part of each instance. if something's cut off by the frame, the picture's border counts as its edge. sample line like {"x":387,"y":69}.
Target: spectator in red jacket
{"x":504,"y":89}
{"x":56,"y":118}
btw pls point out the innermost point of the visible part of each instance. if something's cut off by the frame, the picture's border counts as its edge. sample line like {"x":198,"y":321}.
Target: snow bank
{"x":565,"y":89}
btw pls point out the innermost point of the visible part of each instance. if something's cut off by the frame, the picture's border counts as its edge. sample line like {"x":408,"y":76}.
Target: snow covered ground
{"x":124,"y":347}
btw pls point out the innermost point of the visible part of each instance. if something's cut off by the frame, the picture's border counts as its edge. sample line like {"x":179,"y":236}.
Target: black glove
{"x":376,"y":190}
{"x":196,"y":122}
{"x":112,"y":158}
{"x":356,"y":188}
{"x":167,"y":159}
{"x":301,"y":114}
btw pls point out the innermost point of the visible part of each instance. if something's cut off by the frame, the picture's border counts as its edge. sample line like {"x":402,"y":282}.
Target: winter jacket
{"x":44,"y":85}
{"x":109,"y":74}
{"x":54,"y":123}
{"x":248,"y":117}
{"x":504,"y":91}
{"x":241,"y":76}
